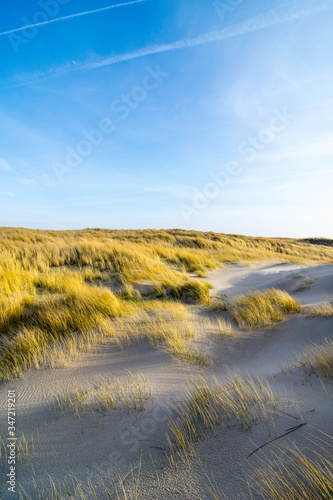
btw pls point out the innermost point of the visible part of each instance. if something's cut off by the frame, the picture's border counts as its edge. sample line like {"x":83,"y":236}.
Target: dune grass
{"x":263,"y":309}
{"x":130,"y":393}
{"x":170,"y":328}
{"x":24,"y":449}
{"x":53,"y":320}
{"x":285,"y":473}
{"x":217,"y":304}
{"x":289,"y":474}
{"x":58,"y":330}
{"x":301,"y":283}
{"x":215,"y":328}
{"x":92,"y":490}
{"x":238,"y":401}
{"x":325,"y":309}
{"x":59,"y":289}
{"x":318,"y":359}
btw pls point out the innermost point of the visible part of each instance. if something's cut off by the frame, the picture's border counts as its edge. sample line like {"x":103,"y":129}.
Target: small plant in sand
{"x":302,"y":283}
{"x":94,"y":489}
{"x":225,"y":328}
{"x":24,"y":448}
{"x":263,"y":309}
{"x":318,"y":359}
{"x":207,"y":405}
{"x":108,"y":393}
{"x":325,"y":309}
{"x":289,"y":474}
{"x":166,"y":325}
{"x":220,"y":328}
{"x":217,"y":304}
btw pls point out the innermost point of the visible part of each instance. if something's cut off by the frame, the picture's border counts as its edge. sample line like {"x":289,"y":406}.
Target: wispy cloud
{"x":260,"y":22}
{"x":263,"y":21}
{"x":71,"y":16}
{"x":318,"y":148}
{"x":4,"y":165}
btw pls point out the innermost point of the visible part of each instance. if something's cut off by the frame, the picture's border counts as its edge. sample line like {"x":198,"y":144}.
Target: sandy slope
{"x":95,"y":447}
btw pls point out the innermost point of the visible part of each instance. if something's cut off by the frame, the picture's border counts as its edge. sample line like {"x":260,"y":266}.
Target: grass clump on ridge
{"x":318,"y":359}
{"x":194,"y":289}
{"x":263,"y":309}
{"x":52,"y":320}
{"x":325,"y":309}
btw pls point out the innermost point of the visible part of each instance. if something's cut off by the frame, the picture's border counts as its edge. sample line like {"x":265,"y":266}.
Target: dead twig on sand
{"x":288,"y":431}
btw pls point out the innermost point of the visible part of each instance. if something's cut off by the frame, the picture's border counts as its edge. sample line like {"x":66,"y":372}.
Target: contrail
{"x":71,"y":16}
{"x":260,"y":22}
{"x":269,"y":19}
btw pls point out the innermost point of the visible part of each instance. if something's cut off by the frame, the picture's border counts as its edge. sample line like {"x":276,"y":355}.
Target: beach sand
{"x":104,"y":448}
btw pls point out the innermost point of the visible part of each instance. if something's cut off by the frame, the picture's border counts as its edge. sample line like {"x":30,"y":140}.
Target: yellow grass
{"x":318,"y":359}
{"x":325,"y":309}
{"x":206,"y":405}
{"x":169,"y":327}
{"x":52,"y":284}
{"x":263,"y":309}
{"x":290,"y":474}
{"x":218,"y":328}
{"x":130,"y":393}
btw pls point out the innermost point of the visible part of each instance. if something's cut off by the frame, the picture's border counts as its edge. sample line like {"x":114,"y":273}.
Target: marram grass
{"x":289,"y":474}
{"x":130,"y":393}
{"x":325,"y":309}
{"x":238,"y":400}
{"x":318,"y":359}
{"x":263,"y":309}
{"x":59,"y":288}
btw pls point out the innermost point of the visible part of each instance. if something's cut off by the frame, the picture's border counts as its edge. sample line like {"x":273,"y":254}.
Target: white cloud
{"x":320,"y":147}
{"x":4,"y":165}
{"x":29,"y":181}
{"x":11,"y":194}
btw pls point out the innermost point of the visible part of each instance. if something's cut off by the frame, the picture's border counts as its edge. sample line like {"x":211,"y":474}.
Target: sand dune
{"x":107,"y":447}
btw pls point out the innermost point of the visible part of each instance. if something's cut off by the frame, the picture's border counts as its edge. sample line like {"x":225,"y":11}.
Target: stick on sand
{"x":288,"y":431}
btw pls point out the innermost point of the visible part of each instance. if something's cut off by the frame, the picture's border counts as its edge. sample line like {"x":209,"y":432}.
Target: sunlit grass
{"x":263,"y":309}
{"x":289,"y":474}
{"x":52,"y":295}
{"x":169,"y":328}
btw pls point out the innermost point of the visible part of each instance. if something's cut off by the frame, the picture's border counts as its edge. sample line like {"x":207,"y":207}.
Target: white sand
{"x":95,"y":447}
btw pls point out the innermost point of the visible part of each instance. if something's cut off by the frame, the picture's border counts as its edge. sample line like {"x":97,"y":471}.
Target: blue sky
{"x":199,"y":114}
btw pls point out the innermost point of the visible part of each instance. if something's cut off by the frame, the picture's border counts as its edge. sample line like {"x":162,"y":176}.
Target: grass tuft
{"x":205,"y":406}
{"x":289,"y":474}
{"x":108,"y":393}
{"x":325,"y":309}
{"x":318,"y":359}
{"x":263,"y":309}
